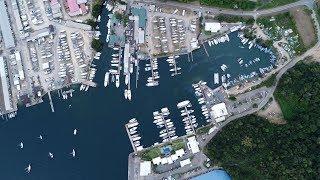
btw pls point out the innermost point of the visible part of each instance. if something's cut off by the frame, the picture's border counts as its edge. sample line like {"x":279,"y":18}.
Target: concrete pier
{"x":51,"y":103}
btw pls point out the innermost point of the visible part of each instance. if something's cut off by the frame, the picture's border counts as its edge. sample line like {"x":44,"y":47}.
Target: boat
{"x":50,"y":155}
{"x":126,"y":81}
{"x":216,"y":78}
{"x":21,"y":145}
{"x":129,"y":94}
{"x":40,"y":137}
{"x":106,"y":79}
{"x":133,"y":120}
{"x":132,"y":132}
{"x":75,"y":132}
{"x":73,"y":153}
{"x":28,"y":168}
{"x":183,"y":103}
{"x":130,"y":125}
{"x":115,"y":55}
{"x":126,"y":93}
{"x":223,"y":67}
{"x":117,"y":80}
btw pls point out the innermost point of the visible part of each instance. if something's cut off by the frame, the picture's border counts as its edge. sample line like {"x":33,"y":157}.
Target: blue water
{"x":102,"y":144}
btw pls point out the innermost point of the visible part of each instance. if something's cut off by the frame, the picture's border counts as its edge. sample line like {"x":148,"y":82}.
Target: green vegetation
{"x":122,"y":18}
{"x":276,"y":30}
{"x":92,"y":23}
{"x":97,"y":8}
{"x":231,"y":4}
{"x":269,"y":82}
{"x":232,"y":98}
{"x":204,"y":129}
{"x":275,"y":3}
{"x":253,"y":148}
{"x":154,"y":152}
{"x":234,"y":19}
{"x":265,"y":43}
{"x":97,"y":45}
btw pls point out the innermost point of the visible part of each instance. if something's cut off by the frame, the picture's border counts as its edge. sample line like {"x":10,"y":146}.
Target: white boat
{"x":224,"y":67}
{"x":73,"y":153}
{"x":50,"y":155}
{"x":21,"y":145}
{"x":126,"y":81}
{"x":75,"y":132}
{"x":115,"y":55}
{"x":216,"y":78}
{"x":183,"y":103}
{"x":129,"y":94}
{"x":126,"y":93}
{"x":115,"y":48}
{"x":106,"y":79}
{"x":136,"y":138}
{"x":117,"y":80}
{"x":133,"y":120}
{"x":130,"y":125}
{"x":28,"y":168}
{"x":40,"y":137}
{"x":132,"y":132}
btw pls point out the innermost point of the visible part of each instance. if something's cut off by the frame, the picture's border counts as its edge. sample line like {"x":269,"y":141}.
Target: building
{"x":5,"y":86}
{"x":6,"y":31}
{"x":193,"y":145}
{"x":212,"y":26}
{"x":145,"y":168}
{"x":219,"y":112}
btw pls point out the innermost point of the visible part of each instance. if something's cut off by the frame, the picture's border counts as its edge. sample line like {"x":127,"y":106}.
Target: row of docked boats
{"x":133,"y":134}
{"x":153,"y":80}
{"x":190,"y":121}
{"x":167,"y":132}
{"x":222,"y":39}
{"x":174,"y":69}
{"x":200,"y":93}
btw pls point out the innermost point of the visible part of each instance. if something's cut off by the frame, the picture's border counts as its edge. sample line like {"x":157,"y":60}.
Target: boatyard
{"x":44,"y":50}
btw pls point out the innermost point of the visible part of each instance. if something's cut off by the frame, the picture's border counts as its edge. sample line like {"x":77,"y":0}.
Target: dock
{"x":51,"y":103}
{"x":130,"y":138}
{"x":204,"y":47}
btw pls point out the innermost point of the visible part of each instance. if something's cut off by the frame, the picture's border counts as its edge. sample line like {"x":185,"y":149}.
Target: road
{"x":215,"y":10}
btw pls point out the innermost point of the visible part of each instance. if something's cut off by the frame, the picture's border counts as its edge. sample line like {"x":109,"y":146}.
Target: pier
{"x":51,"y":103}
{"x":130,"y":138}
{"x":204,"y":47}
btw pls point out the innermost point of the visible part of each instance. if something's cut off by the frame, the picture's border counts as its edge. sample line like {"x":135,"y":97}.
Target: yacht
{"x":216,"y":78}
{"x":129,"y":94}
{"x":126,"y":93}
{"x":40,"y":137}
{"x":106,"y":79}
{"x":28,"y":168}
{"x":21,"y":145}
{"x":73,"y":153}
{"x":117,"y":80}
{"x":127,"y":79}
{"x":224,"y":67}
{"x":75,"y":132}
{"x":50,"y":155}
{"x":133,"y":120}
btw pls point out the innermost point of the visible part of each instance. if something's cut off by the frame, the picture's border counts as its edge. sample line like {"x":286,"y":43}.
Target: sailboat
{"x":28,"y":168}
{"x":73,"y":153}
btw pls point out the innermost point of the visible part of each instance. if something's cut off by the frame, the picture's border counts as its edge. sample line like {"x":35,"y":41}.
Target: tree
{"x":97,"y":45}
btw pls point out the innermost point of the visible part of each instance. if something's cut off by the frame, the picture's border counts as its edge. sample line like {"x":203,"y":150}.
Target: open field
{"x":305,"y":25}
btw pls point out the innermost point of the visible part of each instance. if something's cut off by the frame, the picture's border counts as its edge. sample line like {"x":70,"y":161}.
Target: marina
{"x":100,"y":114}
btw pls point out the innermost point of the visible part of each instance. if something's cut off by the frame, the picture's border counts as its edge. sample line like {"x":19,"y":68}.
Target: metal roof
{"x":5,"y":27}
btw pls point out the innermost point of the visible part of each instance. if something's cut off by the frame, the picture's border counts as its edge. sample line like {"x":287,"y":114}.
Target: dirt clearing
{"x":304,"y":25}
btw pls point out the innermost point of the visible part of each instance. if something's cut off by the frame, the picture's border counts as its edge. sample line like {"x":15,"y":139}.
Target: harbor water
{"x":99,"y":115}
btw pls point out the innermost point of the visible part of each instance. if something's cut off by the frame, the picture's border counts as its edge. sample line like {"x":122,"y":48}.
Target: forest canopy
{"x":253,"y":148}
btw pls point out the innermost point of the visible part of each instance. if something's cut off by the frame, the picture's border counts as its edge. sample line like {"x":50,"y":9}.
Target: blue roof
{"x":214,"y":175}
{"x":142,"y":13}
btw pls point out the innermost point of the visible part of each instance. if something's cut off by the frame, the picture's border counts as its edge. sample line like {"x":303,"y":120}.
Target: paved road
{"x":215,"y":10}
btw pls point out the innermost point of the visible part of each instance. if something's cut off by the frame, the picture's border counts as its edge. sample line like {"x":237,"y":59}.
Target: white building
{"x":193,"y":145}
{"x":212,"y":26}
{"x":219,"y":112}
{"x":145,"y":168}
